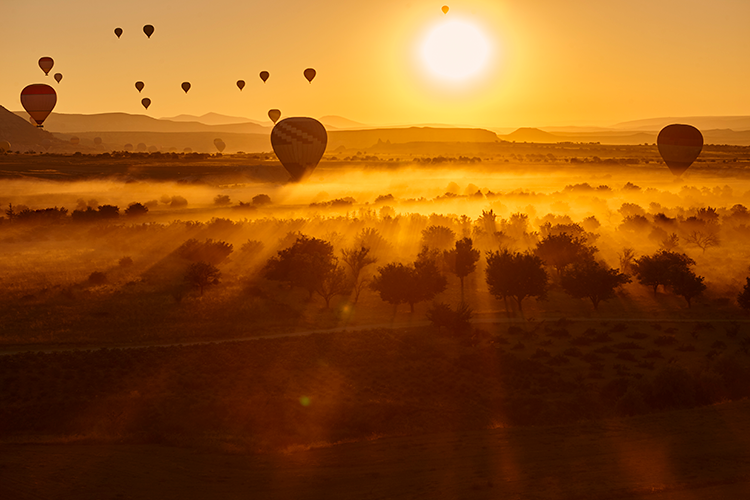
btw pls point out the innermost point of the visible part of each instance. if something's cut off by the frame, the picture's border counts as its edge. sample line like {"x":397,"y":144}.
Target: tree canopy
{"x":517,"y":275}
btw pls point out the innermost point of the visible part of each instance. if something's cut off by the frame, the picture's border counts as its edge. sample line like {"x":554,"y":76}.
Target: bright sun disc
{"x":455,"y":50}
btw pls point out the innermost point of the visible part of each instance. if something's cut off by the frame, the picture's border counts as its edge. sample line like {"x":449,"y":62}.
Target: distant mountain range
{"x":735,"y":123}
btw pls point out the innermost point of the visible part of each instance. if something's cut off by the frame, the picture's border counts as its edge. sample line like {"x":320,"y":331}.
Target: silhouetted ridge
{"x":21,"y":134}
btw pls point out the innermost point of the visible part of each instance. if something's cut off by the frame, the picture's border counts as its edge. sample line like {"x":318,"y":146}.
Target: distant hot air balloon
{"x":264,"y":75}
{"x":299,"y":143}
{"x":241,"y":84}
{"x":46,"y":144}
{"x":148,"y":30}
{"x":274,"y":115}
{"x":38,"y":100}
{"x":4,"y":147}
{"x":445,"y":9}
{"x":128,"y":147}
{"x":219,"y":145}
{"x":75,"y":140}
{"x":98,"y":141}
{"x":187,"y":150}
{"x":118,"y":32}
{"x":309,"y":74}
{"x":46,"y":64}
{"x":139,"y":85}
{"x":146,"y":102}
{"x":679,"y":146}
{"x":185,"y":86}
{"x":58,"y":77}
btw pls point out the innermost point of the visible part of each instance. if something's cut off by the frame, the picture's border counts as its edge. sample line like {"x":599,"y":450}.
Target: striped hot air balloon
{"x":38,"y":100}
{"x":46,"y":63}
{"x":299,"y":143}
{"x":679,"y":146}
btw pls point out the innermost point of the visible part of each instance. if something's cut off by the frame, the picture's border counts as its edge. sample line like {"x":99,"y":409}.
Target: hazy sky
{"x":548,"y":62}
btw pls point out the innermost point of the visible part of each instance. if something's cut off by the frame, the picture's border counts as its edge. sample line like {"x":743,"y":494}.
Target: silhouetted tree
{"x":109,"y":211}
{"x":438,"y":237}
{"x":213,"y":252}
{"x":98,"y":278}
{"x":517,"y":275}
{"x":334,"y":283}
{"x":743,"y":298}
{"x":201,"y":275}
{"x":222,"y":200}
{"x":626,"y":260}
{"x":398,"y":284}
{"x":371,"y":238}
{"x":658,"y":269}
{"x":462,"y":260}
{"x":686,"y":284}
{"x":306,"y":264}
{"x":357,"y":259}
{"x":703,"y":239}
{"x":441,"y":315}
{"x":562,"y":250}
{"x":670,"y":242}
{"x":136,"y":209}
{"x":592,"y":280}
{"x":10,"y":213}
{"x":261,"y":199}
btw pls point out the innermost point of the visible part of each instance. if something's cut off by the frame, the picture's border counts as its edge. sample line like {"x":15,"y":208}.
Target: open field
{"x":143,"y":376}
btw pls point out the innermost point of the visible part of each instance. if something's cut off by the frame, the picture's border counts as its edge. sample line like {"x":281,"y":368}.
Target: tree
{"x":703,"y":239}
{"x":517,"y":275}
{"x":658,"y":269}
{"x":438,"y":237}
{"x":398,"y":284}
{"x":743,"y":298}
{"x":561,"y":250}
{"x":357,"y":259}
{"x":626,"y":260}
{"x":442,"y":315}
{"x":261,"y":199}
{"x":222,"y":200}
{"x":686,"y":284}
{"x":462,"y":260}
{"x":305,"y":264}
{"x":136,"y":209}
{"x":593,"y":280}
{"x":213,"y":252}
{"x":201,"y":275}
{"x":334,"y":282}
{"x":109,"y":212}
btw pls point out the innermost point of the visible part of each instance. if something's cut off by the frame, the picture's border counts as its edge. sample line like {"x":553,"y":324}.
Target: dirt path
{"x":681,"y":455}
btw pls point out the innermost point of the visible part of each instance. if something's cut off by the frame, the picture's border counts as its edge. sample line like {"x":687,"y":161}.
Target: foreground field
{"x":678,"y":455}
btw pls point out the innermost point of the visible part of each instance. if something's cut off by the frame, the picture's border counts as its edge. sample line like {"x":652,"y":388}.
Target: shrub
{"x":98,"y":278}
{"x":456,"y":321}
{"x":125,"y":262}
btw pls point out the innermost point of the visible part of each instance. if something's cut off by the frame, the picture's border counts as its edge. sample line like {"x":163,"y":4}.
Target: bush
{"x":456,"y":321}
{"x":125,"y":262}
{"x":98,"y":278}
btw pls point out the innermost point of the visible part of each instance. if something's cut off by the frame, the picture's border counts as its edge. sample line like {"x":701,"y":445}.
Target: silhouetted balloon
{"x":148,"y":30}
{"x":38,"y":100}
{"x":46,"y":64}
{"x":219,"y":145}
{"x":118,"y":32}
{"x":146,"y":102}
{"x":679,"y":146}
{"x":75,"y":140}
{"x":309,"y":74}
{"x":58,"y":77}
{"x":46,"y":144}
{"x":445,"y":9}
{"x":139,"y":85}
{"x":127,"y":147}
{"x":187,"y":150}
{"x":186,"y":86}
{"x":274,"y":114}
{"x":4,"y":146}
{"x":264,"y":75}
{"x":97,"y":140}
{"x":299,"y":143}
{"x":241,"y":84}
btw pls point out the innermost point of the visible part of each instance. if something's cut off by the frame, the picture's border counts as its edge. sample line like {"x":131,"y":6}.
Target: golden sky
{"x":547,"y":62}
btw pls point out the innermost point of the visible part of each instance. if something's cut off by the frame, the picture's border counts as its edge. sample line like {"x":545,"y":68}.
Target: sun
{"x":455,"y":51}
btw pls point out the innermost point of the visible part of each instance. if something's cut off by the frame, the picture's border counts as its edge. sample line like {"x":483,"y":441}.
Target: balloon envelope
{"x":97,"y":140}
{"x":219,"y":145}
{"x":146,"y":102}
{"x":139,"y":85}
{"x":299,"y":143}
{"x":118,"y":32}
{"x":679,"y":146}
{"x":4,"y":146}
{"x":46,"y":64}
{"x":274,"y":115}
{"x":58,"y":77}
{"x":186,"y":86}
{"x":75,"y":140}
{"x":264,"y":76}
{"x":241,"y":84}
{"x":148,"y":30}
{"x":445,"y":9}
{"x":38,"y":100}
{"x":309,"y":74}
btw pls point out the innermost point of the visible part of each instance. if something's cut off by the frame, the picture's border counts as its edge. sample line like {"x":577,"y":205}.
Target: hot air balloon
{"x":185,"y":86}
{"x":38,"y":100}
{"x":118,"y":32}
{"x":146,"y":102}
{"x":139,"y":85}
{"x":309,"y":74}
{"x":219,"y":145}
{"x":98,"y":141}
{"x":128,"y":147}
{"x":32,"y":121}
{"x":4,"y":147}
{"x":46,"y":64}
{"x":241,"y":84}
{"x":299,"y":143}
{"x":58,"y":77}
{"x":46,"y":144}
{"x":445,"y":9}
{"x":264,"y":75}
{"x":274,"y":115}
{"x":679,"y":146}
{"x":75,"y":140}
{"x":148,"y":30}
